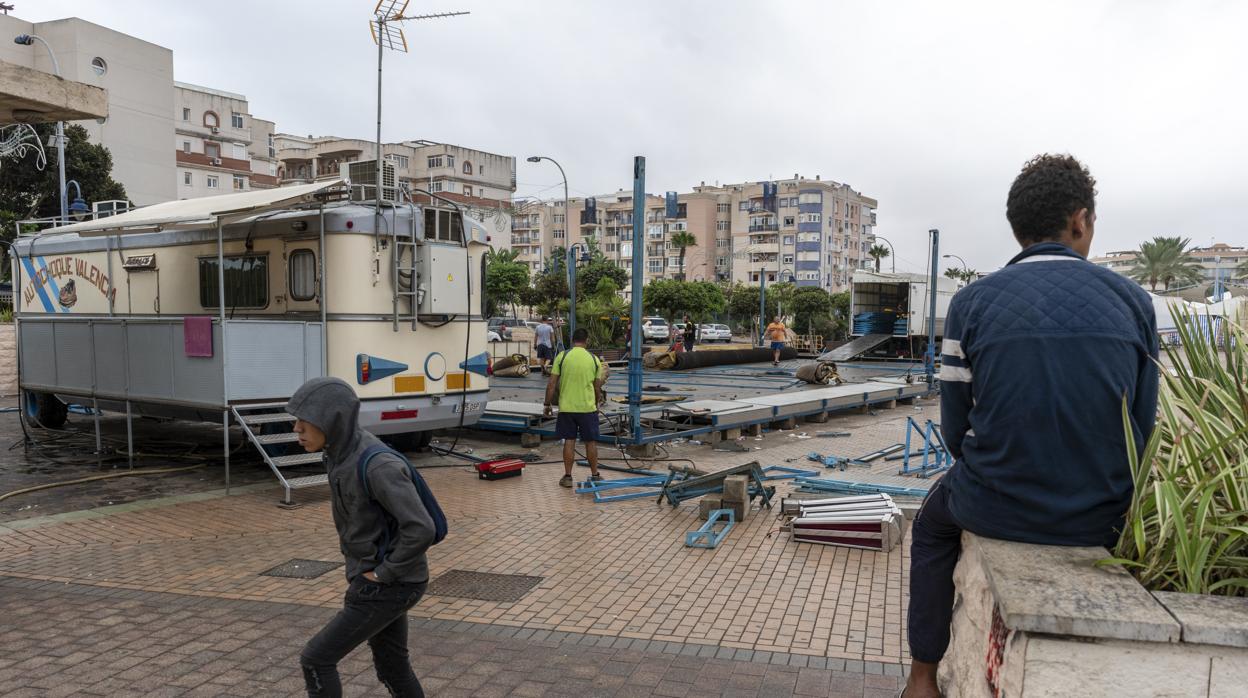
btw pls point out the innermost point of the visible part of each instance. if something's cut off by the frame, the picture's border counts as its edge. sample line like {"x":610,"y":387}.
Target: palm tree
{"x":682,"y":240}
{"x":878,"y":252}
{"x":1164,"y":260}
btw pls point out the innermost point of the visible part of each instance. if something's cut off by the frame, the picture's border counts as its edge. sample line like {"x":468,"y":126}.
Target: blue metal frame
{"x":707,"y":536}
{"x":936,"y":456}
{"x":819,"y":485}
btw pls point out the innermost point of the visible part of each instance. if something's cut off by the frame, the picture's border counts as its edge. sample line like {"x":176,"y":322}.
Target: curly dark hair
{"x":1049,"y":190}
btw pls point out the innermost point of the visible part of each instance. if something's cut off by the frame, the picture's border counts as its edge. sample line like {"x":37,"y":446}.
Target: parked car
{"x":493,"y":336}
{"x":655,"y":329}
{"x":714,"y":333}
{"x":498,"y":323}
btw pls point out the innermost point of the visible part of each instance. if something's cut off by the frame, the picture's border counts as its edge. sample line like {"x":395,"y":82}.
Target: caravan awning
{"x":208,"y":210}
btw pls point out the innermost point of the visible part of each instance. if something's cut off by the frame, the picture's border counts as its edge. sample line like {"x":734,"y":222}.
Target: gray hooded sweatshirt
{"x":332,"y":406}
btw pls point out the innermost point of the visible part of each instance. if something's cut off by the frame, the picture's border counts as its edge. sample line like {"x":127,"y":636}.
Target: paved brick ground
{"x":71,"y":640}
{"x":767,"y":616}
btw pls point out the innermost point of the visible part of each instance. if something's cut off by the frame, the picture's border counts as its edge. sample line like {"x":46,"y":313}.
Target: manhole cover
{"x":483,"y":586}
{"x":301,"y":569}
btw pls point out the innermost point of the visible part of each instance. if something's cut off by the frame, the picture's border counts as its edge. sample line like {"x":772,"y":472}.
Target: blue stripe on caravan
{"x":56,"y":290}
{"x":43,"y":295}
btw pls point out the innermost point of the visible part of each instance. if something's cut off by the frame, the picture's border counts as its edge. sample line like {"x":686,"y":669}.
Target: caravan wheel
{"x":44,"y":410}
{"x":409,"y":441}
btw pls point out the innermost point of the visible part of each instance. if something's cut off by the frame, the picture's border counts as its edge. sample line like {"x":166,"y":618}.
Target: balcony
{"x":522,"y":240}
{"x":764,"y":239}
{"x":763,"y":227}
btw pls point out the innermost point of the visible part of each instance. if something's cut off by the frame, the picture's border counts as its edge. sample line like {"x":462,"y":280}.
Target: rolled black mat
{"x":721,"y":357}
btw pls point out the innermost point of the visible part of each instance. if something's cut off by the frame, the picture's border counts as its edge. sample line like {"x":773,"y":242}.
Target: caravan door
{"x":303,"y":276}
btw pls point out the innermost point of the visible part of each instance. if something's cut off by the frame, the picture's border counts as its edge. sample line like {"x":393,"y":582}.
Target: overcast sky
{"x":929,"y":107}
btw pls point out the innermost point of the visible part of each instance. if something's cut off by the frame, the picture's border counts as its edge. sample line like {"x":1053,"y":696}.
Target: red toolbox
{"x":499,"y":469}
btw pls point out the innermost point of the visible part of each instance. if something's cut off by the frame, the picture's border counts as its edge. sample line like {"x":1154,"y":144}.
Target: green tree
{"x":683,"y":240}
{"x":878,"y":252}
{"x":1165,"y":260}
{"x":603,"y":313}
{"x":840,"y":315}
{"x":700,"y":300}
{"x":505,"y":278}
{"x":28,"y":192}
{"x":742,"y":305}
{"x":812,"y":306}
{"x":598,"y":268}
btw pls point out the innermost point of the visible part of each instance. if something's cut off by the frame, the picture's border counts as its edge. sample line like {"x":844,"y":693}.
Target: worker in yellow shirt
{"x":576,"y":386}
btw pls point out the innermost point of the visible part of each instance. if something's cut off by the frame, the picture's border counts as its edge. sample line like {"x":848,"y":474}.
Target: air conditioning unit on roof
{"x":216,"y":129}
{"x":216,"y":161}
{"x":362,"y":178}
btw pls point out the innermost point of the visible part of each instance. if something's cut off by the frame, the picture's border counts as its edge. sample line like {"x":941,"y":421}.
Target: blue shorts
{"x":545,"y":352}
{"x":777,"y":345}
{"x":569,"y":425}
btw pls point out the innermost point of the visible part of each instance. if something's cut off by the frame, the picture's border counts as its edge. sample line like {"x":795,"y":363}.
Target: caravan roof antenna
{"x":387,"y":37}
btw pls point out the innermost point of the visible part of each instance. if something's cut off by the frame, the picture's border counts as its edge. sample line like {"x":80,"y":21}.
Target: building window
{"x":186,"y":146}
{"x":272,"y":169}
{"x":236,"y":119}
{"x":99,"y":66}
{"x":722,"y":226}
{"x":186,"y":113}
{"x":248,"y":285}
{"x":211,"y":120}
{"x":673,"y":262}
{"x":558,"y":234}
{"x":435,"y":161}
{"x":302,"y":275}
{"x":811,"y":218}
{"x":435,"y":186}
{"x":743,"y":206}
{"x":240,"y":151}
{"x":467,"y":167}
{"x":810,"y":198}
{"x":787,"y":259}
{"x":272,"y":147}
{"x":654,"y":232}
{"x":723,"y":208}
{"x":400,"y":161}
{"x":808,"y":237}
{"x":467,"y":190}
{"x":240,"y":182}
{"x":723,"y":242}
{"x":187,"y":179}
{"x":481,"y":169}
{"x":213,"y":182}
{"x":557,"y":219}
{"x":654,"y":266}
{"x":789,"y":221}
{"x":788,"y":239}
{"x":212,"y":150}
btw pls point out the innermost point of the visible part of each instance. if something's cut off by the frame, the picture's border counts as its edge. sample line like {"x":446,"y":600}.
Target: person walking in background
{"x":544,"y":337}
{"x":1050,"y":468}
{"x":384,"y":529}
{"x":690,"y":335}
{"x":576,"y":386}
{"x":777,"y":333}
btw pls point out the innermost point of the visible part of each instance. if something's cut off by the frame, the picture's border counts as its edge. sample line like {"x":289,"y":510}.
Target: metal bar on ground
{"x":820,"y":485}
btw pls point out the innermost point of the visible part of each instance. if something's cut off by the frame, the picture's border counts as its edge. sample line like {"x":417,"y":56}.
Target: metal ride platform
{"x":712,"y":399}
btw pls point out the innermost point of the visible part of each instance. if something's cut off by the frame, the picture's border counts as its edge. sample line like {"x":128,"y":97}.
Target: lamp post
{"x":965,"y":267}
{"x":567,"y":215}
{"x":29,"y":40}
{"x":892,"y":253}
{"x":78,"y":209}
{"x":571,"y":262}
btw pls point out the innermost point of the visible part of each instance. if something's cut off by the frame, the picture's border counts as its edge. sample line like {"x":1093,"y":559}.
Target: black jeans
{"x":935,"y":545}
{"x":373,"y":612}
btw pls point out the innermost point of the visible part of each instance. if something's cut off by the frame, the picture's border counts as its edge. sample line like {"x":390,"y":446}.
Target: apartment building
{"x":1218,"y":261}
{"x":465,"y":174}
{"x":219,"y":146}
{"x":138,"y":76}
{"x":808,"y":231}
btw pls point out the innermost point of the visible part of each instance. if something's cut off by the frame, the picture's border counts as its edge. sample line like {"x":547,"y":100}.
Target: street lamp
{"x":965,"y":267}
{"x":892,"y":253}
{"x":567,"y":215}
{"x":79,"y":208}
{"x":571,"y":262}
{"x":29,"y":40}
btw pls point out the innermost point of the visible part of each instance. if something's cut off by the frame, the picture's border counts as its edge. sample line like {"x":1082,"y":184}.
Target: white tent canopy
{"x":197,"y":212}
{"x":1164,"y":307}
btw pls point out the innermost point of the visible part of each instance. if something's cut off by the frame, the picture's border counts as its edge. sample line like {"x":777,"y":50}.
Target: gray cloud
{"x":930,"y":107}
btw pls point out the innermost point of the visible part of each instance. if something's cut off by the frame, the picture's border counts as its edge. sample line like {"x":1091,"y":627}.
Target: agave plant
{"x":1187,"y":528}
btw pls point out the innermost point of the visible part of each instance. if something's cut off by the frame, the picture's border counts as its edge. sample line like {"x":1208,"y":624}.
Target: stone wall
{"x":1034,"y":620}
{"x":8,"y":359}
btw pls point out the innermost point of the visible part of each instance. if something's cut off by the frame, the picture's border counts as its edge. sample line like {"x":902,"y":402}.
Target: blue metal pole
{"x":762,"y":306}
{"x":571,"y":261}
{"x":634,"y":356}
{"x":929,"y":357}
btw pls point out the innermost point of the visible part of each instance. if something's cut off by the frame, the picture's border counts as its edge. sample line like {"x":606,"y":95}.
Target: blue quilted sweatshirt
{"x":1037,"y":359}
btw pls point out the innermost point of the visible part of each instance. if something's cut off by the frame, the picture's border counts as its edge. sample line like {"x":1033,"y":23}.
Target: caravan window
{"x":302,"y":275}
{"x":246,"y":281}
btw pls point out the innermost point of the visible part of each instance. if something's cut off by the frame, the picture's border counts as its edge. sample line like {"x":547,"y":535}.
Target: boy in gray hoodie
{"x":383,"y":538}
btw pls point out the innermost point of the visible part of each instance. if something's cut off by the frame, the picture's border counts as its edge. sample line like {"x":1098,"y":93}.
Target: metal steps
{"x":258,"y":415}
